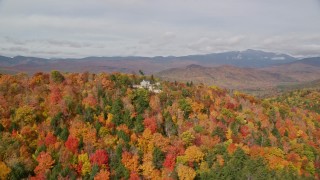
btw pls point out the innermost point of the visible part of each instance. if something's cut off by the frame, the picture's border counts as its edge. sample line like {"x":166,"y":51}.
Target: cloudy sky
{"x":78,"y":28}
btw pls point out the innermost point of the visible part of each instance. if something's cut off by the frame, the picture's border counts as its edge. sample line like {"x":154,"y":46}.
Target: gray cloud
{"x":77,"y":28}
{"x":68,"y":43}
{"x":16,"y":49}
{"x":14,"y":41}
{"x":295,"y":44}
{"x":55,"y":53}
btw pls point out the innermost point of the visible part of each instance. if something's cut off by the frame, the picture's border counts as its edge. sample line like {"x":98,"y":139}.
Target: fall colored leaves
{"x":96,"y":126}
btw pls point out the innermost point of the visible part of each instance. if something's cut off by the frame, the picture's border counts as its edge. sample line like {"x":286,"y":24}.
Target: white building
{"x":147,"y":85}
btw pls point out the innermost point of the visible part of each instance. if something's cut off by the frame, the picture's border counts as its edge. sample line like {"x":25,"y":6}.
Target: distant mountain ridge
{"x":248,"y":58}
{"x":313,"y":61}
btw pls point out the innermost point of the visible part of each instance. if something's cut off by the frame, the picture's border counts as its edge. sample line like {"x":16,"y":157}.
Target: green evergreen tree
{"x":57,"y":77}
{"x":158,"y":157}
{"x":116,"y":111}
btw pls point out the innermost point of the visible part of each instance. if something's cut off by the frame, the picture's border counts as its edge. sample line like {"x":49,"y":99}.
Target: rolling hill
{"x":302,"y":70}
{"x":313,"y":61}
{"x":303,"y":85}
{"x":226,"y":76}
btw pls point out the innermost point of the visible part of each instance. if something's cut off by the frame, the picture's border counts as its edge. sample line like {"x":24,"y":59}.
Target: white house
{"x":147,"y":85}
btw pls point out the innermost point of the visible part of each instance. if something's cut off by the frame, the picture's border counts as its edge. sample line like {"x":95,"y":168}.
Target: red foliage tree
{"x":72,"y":144}
{"x":50,"y":139}
{"x":170,"y":162}
{"x":90,"y":101}
{"x":230,"y":105}
{"x":100,"y":157}
{"x":232,"y":148}
{"x":244,"y":130}
{"x":55,"y":95}
{"x":151,"y":123}
{"x":45,"y":162}
{"x":134,"y":176}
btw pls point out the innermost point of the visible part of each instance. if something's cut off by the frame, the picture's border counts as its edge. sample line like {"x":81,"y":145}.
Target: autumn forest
{"x":100,"y":126}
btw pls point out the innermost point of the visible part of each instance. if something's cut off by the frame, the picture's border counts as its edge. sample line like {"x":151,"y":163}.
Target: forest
{"x":100,"y":126}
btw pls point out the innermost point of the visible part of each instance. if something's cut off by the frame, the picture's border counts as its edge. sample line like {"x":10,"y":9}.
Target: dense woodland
{"x":96,"y":126}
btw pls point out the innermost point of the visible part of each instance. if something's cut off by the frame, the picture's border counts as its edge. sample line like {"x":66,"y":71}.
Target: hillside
{"x":314,"y":61}
{"x":311,"y":85}
{"x":303,"y":98}
{"x":97,"y":126}
{"x":303,"y":70}
{"x":230,"y":77}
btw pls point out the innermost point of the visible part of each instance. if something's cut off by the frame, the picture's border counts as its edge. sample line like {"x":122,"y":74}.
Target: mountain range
{"x":244,"y":70}
{"x":248,"y":58}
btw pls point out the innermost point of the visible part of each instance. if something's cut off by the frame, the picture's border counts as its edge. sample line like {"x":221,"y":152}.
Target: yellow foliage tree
{"x":197,"y":107}
{"x":4,"y":170}
{"x":104,"y":131}
{"x":229,"y":134}
{"x":24,"y":115}
{"x":86,"y":166}
{"x":130,"y":161}
{"x":194,"y":154}
{"x":110,"y":117}
{"x":185,"y":172}
{"x":160,"y":141}
{"x":145,"y":142}
{"x":147,"y":169}
{"x":204,"y":167}
{"x":187,"y":137}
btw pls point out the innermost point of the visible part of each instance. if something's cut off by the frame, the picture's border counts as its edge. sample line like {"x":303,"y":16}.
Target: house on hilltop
{"x":147,"y":85}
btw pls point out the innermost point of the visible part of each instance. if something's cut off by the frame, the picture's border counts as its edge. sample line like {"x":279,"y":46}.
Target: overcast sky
{"x":78,"y":28}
